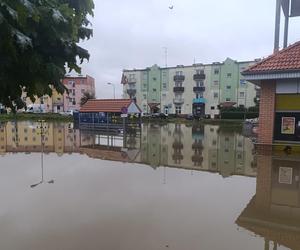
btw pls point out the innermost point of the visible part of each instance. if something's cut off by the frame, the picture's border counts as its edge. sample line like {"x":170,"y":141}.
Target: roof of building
{"x":105,"y":105}
{"x":286,"y":60}
{"x":195,"y":65}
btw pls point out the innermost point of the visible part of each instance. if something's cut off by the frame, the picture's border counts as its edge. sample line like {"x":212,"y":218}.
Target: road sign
{"x":124,"y":110}
{"x":124,"y":115}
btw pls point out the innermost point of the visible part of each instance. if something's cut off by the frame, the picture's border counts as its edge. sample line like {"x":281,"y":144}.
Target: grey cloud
{"x":132,"y":34}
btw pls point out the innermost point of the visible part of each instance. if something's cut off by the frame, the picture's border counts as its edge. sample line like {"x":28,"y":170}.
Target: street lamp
{"x":109,"y":83}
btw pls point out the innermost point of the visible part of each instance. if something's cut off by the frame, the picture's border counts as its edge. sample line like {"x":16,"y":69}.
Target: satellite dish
{"x":171,"y":7}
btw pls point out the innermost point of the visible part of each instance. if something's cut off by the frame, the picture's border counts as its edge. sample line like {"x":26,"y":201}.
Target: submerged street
{"x":171,"y":186}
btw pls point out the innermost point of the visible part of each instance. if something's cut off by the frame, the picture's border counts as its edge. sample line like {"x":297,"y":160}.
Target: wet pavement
{"x":171,"y":186}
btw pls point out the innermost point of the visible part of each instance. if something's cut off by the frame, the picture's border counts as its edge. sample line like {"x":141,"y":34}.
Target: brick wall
{"x":267,"y":112}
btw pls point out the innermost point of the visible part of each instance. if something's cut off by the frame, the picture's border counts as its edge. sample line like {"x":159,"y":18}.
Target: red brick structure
{"x":266,"y":112}
{"x":279,"y":78}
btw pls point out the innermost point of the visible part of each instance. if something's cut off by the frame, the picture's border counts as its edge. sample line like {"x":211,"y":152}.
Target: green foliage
{"x":85,"y":97}
{"x":38,"y":40}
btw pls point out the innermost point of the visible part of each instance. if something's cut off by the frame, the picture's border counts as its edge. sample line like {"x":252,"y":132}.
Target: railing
{"x":178,"y":89}
{"x":199,"y":89}
{"x":198,"y":77}
{"x":178,"y":100}
{"x":179,"y":78}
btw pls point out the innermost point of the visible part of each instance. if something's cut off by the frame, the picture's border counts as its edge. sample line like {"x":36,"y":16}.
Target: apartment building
{"x":198,"y":89}
{"x":76,"y":86}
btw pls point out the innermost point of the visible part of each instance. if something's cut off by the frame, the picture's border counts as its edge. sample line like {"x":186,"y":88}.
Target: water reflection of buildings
{"x":25,"y":137}
{"x":274,"y":212}
{"x":201,"y":147}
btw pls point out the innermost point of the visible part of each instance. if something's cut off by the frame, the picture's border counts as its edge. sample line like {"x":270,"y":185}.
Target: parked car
{"x":159,"y":115}
{"x":36,"y":108}
{"x":146,"y":115}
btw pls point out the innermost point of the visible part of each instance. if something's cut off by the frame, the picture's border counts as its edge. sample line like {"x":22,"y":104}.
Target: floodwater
{"x":163,"y":187}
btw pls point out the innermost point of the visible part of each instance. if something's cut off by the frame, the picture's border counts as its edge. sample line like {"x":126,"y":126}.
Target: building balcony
{"x":131,"y":92}
{"x":198,"y":145}
{"x":131,"y":81}
{"x":199,"y":100}
{"x":178,"y":89}
{"x":178,"y":100}
{"x":198,"y":77}
{"x":198,"y":89}
{"x":180,"y":78}
{"x":177,"y":145}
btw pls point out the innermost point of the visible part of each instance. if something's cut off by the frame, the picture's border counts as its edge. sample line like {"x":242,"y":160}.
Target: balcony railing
{"x":178,"y":78}
{"x":199,"y":89}
{"x":177,"y":145}
{"x":178,"y":100}
{"x":178,"y":89}
{"x":198,"y":77}
{"x":131,"y":81}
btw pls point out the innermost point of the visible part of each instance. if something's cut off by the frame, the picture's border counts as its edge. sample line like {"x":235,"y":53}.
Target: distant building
{"x":199,"y":89}
{"x":279,"y":77}
{"x":76,"y":86}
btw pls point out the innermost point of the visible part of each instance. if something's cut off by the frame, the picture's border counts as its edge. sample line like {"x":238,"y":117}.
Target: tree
{"x":85,"y":97}
{"x":38,"y":42}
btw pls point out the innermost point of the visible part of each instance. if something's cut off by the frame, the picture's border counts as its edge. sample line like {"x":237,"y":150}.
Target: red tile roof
{"x":105,"y":105}
{"x":286,"y":60}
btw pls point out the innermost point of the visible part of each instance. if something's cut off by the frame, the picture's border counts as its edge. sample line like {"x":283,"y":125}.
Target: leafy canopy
{"x":38,"y":41}
{"x":86,"y":96}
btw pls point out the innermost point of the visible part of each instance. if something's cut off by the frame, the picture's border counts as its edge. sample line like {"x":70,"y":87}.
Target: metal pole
{"x":286,"y":26}
{"x":114,"y":91}
{"x":277,"y":25}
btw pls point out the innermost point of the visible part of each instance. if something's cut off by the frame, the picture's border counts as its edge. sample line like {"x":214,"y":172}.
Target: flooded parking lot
{"x":170,"y":186}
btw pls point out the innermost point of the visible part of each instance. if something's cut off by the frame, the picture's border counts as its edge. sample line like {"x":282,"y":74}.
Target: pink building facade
{"x":77,"y":86}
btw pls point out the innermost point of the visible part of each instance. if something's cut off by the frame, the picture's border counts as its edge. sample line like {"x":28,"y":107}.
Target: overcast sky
{"x":132,"y":34}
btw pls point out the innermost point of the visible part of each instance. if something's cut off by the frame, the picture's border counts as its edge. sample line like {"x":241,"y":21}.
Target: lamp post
{"x":109,"y":83}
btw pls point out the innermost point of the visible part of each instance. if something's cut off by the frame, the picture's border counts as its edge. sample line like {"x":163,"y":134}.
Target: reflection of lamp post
{"x":109,"y":83}
{"x":43,"y":132}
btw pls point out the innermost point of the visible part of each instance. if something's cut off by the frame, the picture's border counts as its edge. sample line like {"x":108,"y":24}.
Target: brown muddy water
{"x":164,"y":187}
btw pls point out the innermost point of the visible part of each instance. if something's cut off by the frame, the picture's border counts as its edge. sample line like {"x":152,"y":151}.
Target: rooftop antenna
{"x":166,"y":56}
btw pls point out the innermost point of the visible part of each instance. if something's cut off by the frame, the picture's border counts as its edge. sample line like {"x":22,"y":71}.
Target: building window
{"x":178,"y":110}
{"x":131,"y":77}
{"x":200,"y":83}
{"x":199,"y":95}
{"x":212,"y":107}
{"x":154,"y":78}
{"x":228,"y":99}
{"x":200,"y":71}
{"x":154,"y":90}
{"x":242,"y":94}
{"x":216,"y":83}
{"x":144,"y":96}
{"x":216,"y":95}
{"x":216,"y":71}
{"x":229,"y":75}
{"x":82,"y":91}
{"x":228,"y":87}
{"x":164,"y":85}
{"x":164,"y":96}
{"x":179,"y":73}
